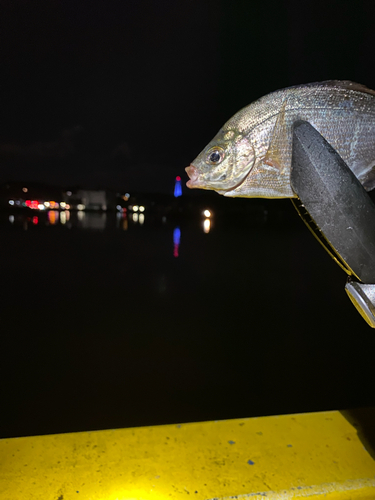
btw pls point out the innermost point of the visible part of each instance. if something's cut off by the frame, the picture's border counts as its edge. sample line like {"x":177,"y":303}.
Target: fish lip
{"x":193,"y":175}
{"x":193,"y":182}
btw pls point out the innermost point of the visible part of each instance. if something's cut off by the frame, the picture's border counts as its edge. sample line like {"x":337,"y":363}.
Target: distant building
{"x":87,"y":199}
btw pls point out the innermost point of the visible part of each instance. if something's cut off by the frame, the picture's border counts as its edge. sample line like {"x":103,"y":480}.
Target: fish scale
{"x":256,"y":161}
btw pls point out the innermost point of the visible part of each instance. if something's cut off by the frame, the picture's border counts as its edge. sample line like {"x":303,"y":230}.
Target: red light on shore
{"x":178,"y":178}
{"x":28,"y":203}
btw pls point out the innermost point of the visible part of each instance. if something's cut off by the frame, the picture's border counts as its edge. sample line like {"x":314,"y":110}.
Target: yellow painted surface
{"x":279,"y":457}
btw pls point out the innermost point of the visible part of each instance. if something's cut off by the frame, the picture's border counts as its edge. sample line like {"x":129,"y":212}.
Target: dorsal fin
{"x":346,"y":85}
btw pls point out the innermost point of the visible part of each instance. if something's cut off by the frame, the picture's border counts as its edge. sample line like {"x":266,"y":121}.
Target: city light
{"x":83,"y":212}
{"x":24,"y":189}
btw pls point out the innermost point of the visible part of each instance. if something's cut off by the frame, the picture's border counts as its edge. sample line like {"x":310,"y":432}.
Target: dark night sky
{"x":126,"y":93}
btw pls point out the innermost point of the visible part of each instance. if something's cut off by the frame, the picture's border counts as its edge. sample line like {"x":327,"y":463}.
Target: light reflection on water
{"x":122,"y":221}
{"x":53,"y":217}
{"x":64,"y":217}
{"x":96,"y":221}
{"x":80,"y":219}
{"x":100,"y":221}
{"x":176,"y":241}
{"x":206,"y":225}
{"x":238,"y":325}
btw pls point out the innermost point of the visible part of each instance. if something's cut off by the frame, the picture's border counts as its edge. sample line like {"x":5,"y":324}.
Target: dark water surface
{"x":103,"y":326}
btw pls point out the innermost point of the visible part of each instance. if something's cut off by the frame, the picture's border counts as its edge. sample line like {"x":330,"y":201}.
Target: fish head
{"x":223,"y":164}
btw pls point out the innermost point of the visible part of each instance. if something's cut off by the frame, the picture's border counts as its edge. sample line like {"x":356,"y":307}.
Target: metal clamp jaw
{"x":338,"y":211}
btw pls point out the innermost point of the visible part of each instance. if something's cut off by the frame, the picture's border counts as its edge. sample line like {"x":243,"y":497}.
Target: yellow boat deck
{"x":325,"y":454}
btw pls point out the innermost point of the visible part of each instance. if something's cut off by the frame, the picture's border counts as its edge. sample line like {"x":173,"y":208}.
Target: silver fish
{"x":251,"y":155}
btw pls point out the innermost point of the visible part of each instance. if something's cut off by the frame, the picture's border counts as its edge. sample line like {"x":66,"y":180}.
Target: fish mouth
{"x":193,"y":175}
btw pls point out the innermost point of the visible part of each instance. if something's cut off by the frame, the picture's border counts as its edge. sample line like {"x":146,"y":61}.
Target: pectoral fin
{"x":275,"y":156}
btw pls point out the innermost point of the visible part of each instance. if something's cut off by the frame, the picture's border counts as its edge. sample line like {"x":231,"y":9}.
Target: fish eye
{"x":215,"y":156}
